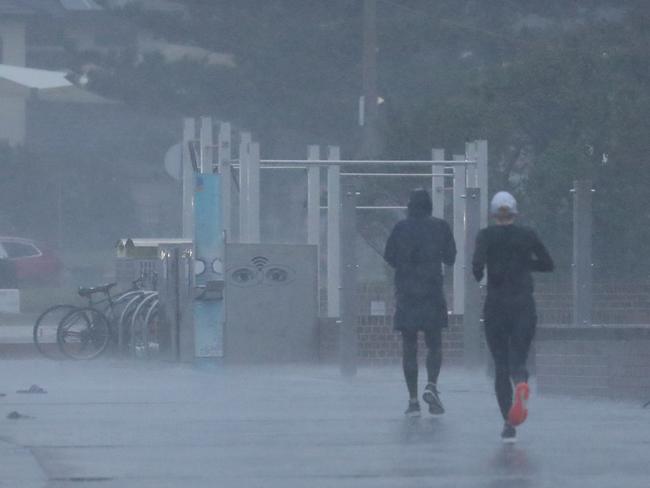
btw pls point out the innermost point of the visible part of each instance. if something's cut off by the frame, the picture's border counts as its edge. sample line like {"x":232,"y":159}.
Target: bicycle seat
{"x":91,"y":290}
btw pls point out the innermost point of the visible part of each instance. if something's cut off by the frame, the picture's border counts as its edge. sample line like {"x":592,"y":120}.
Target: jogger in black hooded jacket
{"x":510,"y":253}
{"x":416,"y":249}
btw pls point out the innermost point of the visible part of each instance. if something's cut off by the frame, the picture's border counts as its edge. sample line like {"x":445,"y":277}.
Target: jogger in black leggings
{"x":509,"y":330}
{"x":416,"y":249}
{"x":511,"y":253}
{"x":433,"y":341}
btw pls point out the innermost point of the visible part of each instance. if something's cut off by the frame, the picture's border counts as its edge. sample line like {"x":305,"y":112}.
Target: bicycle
{"x":78,"y":327}
{"x":144,"y":330}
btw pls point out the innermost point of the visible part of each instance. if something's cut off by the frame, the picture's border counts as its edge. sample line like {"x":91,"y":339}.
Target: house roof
{"x":49,"y":85}
{"x":82,"y":5}
{"x":160,"y":5}
{"x":39,"y":79}
{"x":46,"y":7}
{"x":30,"y":7}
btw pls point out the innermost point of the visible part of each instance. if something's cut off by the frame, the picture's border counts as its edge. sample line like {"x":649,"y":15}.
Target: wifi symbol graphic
{"x":259,"y":262}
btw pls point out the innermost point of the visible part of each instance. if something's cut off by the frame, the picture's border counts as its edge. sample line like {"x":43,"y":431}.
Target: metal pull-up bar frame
{"x":466,"y":170}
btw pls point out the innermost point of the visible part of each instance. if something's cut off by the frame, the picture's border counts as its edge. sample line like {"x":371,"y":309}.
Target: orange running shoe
{"x":519,"y":410}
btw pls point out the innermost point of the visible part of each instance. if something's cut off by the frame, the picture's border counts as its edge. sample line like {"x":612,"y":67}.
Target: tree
{"x":559,"y":89}
{"x":564,"y":104}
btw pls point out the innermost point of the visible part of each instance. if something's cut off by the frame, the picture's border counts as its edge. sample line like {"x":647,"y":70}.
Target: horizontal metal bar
{"x":418,"y":175}
{"x":327,"y":162}
{"x":283,"y":167}
{"x":379,"y":207}
{"x":236,"y":166}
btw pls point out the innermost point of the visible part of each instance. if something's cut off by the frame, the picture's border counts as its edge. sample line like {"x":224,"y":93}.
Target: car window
{"x":19,"y":250}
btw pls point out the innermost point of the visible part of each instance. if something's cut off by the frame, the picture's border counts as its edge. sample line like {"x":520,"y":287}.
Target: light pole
{"x":369,"y":147}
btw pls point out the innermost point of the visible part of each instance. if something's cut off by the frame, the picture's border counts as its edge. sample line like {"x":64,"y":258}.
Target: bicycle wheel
{"x":45,"y":327}
{"x":125,"y":321}
{"x":138,"y":334}
{"x":125,"y":317}
{"x":115,"y":312}
{"x":152,"y":329}
{"x":84,"y":333}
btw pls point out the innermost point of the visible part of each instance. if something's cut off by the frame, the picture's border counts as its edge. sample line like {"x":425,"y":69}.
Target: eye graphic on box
{"x":261,"y":271}
{"x":244,"y":276}
{"x":277,"y":274}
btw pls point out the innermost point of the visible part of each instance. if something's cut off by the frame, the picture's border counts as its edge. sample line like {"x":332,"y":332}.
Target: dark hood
{"x":420,"y":204}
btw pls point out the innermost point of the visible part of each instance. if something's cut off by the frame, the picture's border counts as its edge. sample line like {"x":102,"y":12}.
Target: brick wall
{"x":380,"y":344}
{"x":594,"y":361}
{"x":611,"y":361}
{"x":614,"y":302}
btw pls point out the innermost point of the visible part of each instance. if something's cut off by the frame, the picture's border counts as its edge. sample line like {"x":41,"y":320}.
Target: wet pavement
{"x":112,"y":424}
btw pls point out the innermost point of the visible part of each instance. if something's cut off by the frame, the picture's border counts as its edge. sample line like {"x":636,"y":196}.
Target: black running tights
{"x":510,"y":324}
{"x":433,"y":340}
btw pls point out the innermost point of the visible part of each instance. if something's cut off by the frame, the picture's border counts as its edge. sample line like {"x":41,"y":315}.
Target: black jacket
{"x":511,"y":253}
{"x":416,"y":249}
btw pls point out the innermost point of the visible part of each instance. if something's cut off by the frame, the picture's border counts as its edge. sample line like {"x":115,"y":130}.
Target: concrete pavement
{"x":125,"y":424}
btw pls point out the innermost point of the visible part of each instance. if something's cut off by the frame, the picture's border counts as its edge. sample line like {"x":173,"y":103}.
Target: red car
{"x":33,"y":264}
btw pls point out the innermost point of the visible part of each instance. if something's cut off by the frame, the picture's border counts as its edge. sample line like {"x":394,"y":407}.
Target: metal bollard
{"x":348,"y":338}
{"x":472,"y":315}
{"x":582,"y":260}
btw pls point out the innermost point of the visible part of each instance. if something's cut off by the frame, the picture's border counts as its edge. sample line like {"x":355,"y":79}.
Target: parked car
{"x":31,"y":263}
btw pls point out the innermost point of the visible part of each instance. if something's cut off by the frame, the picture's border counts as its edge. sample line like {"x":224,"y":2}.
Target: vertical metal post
{"x":244,"y":162}
{"x":176,"y":310}
{"x":482,"y":171}
{"x":348,"y":339}
{"x":438,"y":184}
{"x":472,"y":315}
{"x":313,"y":197}
{"x":471,"y":151}
{"x":370,"y":140}
{"x":207,"y":144}
{"x":224,"y":156}
{"x":207,"y":334}
{"x":460,"y":179}
{"x":333,"y":234}
{"x":187,"y":172}
{"x":582,"y":259}
{"x":254,"y":194}
{"x":185,"y":299}
{"x":176,"y":272}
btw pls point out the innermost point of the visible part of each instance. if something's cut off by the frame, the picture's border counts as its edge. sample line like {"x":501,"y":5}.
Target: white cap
{"x":503,"y":199}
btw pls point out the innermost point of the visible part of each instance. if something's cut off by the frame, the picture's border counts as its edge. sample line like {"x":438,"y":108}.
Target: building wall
{"x":12,"y":119}
{"x":12,"y":108}
{"x":14,"y":50}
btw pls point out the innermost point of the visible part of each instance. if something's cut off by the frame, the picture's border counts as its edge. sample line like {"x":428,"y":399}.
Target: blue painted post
{"x":209,"y":255}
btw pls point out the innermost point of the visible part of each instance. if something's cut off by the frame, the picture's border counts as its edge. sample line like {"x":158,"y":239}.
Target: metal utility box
{"x":271,"y":303}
